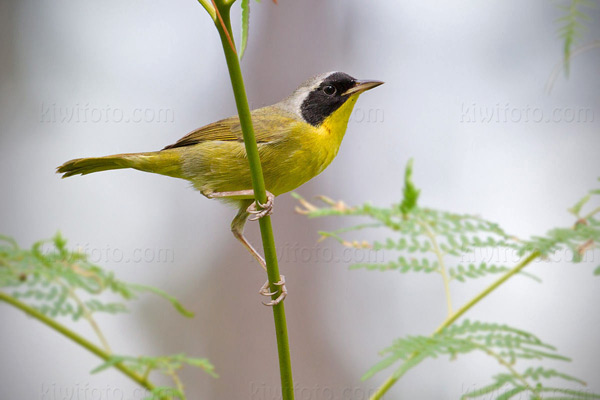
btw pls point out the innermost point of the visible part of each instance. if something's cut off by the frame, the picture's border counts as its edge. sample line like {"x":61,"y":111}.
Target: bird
{"x":297,"y":139}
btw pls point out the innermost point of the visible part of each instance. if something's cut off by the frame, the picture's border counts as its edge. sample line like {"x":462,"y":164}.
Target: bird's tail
{"x":165,"y":162}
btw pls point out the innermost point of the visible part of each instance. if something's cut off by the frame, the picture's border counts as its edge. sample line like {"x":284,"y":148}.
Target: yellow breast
{"x":306,"y":152}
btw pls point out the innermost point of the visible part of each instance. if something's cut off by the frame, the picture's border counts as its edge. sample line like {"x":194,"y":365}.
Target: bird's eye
{"x":329,"y":90}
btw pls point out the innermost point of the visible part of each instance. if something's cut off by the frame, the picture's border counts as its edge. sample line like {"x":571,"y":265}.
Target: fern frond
{"x":402,"y":265}
{"x":49,"y":276}
{"x":410,"y":191}
{"x":538,"y":373}
{"x":165,"y":392}
{"x":485,"y":390}
{"x":509,"y":394}
{"x":472,"y":271}
{"x":163,"y":364}
{"x":504,"y":343}
{"x":572,"y":394}
{"x":427,"y":239}
{"x":572,"y":27}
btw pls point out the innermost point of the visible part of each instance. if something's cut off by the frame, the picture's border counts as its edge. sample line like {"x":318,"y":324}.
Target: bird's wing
{"x":270,"y":124}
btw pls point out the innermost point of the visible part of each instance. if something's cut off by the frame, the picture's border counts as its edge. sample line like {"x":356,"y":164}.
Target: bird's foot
{"x":264,"y":290}
{"x":259,"y":210}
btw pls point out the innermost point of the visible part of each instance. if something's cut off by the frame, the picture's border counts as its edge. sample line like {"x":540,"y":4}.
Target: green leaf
{"x":572,"y":28}
{"x":113,"y":360}
{"x":461,"y":272}
{"x":511,"y":393}
{"x":540,"y":372}
{"x":503,"y":343}
{"x":575,"y":394}
{"x":402,"y":265}
{"x":577,"y":207}
{"x":204,"y":364}
{"x":176,"y":304}
{"x":410,"y":191}
{"x":9,"y":240}
{"x":245,"y":25}
{"x":162,"y":392}
{"x":484,"y":390}
{"x":597,"y":271}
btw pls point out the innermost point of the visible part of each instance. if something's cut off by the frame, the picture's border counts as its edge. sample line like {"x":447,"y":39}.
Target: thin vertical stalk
{"x":443,"y":271}
{"x":223,"y":24}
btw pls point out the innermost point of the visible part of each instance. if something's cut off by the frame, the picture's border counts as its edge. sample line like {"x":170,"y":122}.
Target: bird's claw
{"x":264,"y":290}
{"x":259,"y":210}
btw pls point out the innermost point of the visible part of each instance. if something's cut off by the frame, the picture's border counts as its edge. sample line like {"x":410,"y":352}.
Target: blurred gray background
{"x":446,"y":66}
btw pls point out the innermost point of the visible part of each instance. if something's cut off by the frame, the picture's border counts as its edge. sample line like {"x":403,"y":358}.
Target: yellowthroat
{"x":297,"y":139}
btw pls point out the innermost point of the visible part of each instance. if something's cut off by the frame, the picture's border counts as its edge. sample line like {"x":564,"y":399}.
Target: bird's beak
{"x":362,"y":86}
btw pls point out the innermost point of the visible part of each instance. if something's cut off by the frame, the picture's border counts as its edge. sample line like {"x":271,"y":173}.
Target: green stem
{"x":592,"y":213}
{"x":459,"y":313}
{"x":506,"y":365}
{"x":88,"y":316}
{"x":443,"y":271}
{"x":209,"y":8}
{"x":83,"y":342}
{"x":509,"y":274}
{"x":258,"y":184}
{"x":173,"y":374}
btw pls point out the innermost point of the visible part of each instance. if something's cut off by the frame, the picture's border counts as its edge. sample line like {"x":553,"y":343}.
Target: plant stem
{"x":506,"y":365}
{"x":258,"y":184}
{"x":88,"y":316}
{"x":83,"y":342}
{"x":443,"y":271}
{"x":459,"y":313}
{"x":209,"y":8}
{"x":592,"y":213}
{"x":178,"y":384}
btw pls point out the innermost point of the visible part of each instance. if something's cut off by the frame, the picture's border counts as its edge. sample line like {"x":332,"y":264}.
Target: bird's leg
{"x":265,"y":209}
{"x":264,"y":290}
{"x":256,"y":208}
{"x":237,"y":228}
